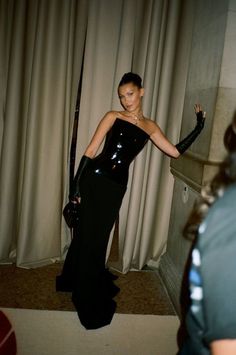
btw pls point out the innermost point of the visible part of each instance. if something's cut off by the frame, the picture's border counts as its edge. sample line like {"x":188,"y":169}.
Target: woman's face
{"x":130,"y":97}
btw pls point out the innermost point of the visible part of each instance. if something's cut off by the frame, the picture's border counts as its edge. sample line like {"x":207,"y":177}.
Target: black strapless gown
{"x":102,"y":188}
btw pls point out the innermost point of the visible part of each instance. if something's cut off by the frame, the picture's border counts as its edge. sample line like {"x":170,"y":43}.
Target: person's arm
{"x":183,"y":145}
{"x":174,"y":151}
{"x":161,"y":142}
{"x":223,"y":347}
{"x":100,"y":133}
{"x":98,"y":137}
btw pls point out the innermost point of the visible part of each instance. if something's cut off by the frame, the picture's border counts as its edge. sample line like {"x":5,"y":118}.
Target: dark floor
{"x":141,"y":292}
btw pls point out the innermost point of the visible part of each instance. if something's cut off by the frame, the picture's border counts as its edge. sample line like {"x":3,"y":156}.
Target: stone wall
{"x":211,"y":81}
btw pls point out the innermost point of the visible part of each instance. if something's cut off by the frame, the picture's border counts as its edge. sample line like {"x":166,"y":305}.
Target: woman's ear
{"x":142,"y":92}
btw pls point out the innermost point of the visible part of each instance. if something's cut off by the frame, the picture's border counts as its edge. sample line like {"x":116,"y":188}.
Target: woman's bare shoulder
{"x":110,"y":117}
{"x":151,"y":125}
{"x":149,"y":121}
{"x":118,"y":114}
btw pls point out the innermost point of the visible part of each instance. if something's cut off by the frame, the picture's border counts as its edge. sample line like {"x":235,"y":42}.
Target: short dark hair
{"x":131,"y":78}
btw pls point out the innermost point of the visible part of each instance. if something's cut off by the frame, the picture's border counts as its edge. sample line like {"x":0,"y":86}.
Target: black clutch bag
{"x":71,"y":214}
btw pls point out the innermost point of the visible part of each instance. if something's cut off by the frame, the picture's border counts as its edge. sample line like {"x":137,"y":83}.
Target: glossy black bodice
{"x":123,"y":142}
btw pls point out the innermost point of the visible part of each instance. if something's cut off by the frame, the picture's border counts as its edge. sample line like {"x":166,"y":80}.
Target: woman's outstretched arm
{"x":174,"y":151}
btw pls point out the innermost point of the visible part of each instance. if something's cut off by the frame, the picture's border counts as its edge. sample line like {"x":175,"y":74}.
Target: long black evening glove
{"x":74,"y":189}
{"x":71,"y":210}
{"x":186,"y":142}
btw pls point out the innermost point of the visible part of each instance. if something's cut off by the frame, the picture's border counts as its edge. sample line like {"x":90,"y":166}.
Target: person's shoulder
{"x":114,"y":114}
{"x":230,"y":191}
{"x":118,"y":114}
{"x":110,"y":117}
{"x":151,"y":125}
{"x":227,"y":200}
{"x":219,"y":223}
{"x":150,"y":122}
{"x":110,"y":114}
{"x":226,"y":204}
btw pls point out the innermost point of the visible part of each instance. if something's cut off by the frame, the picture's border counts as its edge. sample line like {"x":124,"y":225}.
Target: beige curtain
{"x":147,"y":218}
{"x":138,"y":35}
{"x":43,"y":45}
{"x":41,"y":54}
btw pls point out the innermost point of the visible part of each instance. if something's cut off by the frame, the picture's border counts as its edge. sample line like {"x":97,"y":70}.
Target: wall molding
{"x":177,"y":174}
{"x":199,"y":158}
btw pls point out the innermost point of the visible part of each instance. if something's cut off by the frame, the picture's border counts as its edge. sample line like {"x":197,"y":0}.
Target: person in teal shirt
{"x":211,"y":318}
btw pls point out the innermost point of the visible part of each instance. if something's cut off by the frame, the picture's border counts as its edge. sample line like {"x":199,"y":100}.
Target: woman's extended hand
{"x":200,"y":114}
{"x":198,"y":108}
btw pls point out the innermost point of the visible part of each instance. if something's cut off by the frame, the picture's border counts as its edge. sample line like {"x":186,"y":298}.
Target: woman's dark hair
{"x":211,"y":192}
{"x":131,"y":78}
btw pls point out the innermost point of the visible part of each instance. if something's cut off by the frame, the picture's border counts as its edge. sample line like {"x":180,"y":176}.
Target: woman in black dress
{"x":98,"y":187}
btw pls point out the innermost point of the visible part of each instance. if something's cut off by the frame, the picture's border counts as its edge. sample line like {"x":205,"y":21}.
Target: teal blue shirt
{"x":212,"y":277}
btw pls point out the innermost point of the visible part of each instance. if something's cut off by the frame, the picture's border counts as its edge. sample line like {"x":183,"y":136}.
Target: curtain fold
{"x":146,"y":219}
{"x":43,"y":69}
